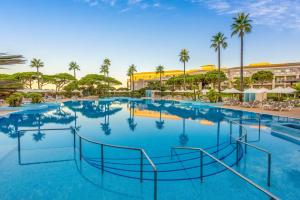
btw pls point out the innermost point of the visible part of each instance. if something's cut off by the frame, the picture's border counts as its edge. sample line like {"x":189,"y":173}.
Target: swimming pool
{"x":56,"y":152}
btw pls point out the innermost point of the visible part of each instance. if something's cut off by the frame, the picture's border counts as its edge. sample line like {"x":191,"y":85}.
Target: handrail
{"x":202,"y":151}
{"x":45,"y":129}
{"x":245,"y":136}
{"x":142,"y":155}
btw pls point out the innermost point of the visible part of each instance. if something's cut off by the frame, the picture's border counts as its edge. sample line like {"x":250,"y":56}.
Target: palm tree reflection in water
{"x":130,"y":120}
{"x":160,"y":123}
{"x":105,"y":126}
{"x":39,"y":136}
{"x":183,"y":138}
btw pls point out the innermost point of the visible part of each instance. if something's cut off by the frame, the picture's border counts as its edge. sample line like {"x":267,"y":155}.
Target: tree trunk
{"x":107,"y":80}
{"x":184,"y":76}
{"x":242,"y":68}
{"x":219,"y":72}
{"x":160,"y":83}
{"x":38,"y":77}
{"x":132,"y":82}
{"x":74,"y":73}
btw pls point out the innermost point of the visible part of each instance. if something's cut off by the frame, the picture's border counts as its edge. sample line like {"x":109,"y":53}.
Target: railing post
{"x":259,"y":126}
{"x":80,"y":149}
{"x":246,"y":140}
{"x":230,"y":131}
{"x":269,"y":169}
{"x":155,"y":185}
{"x":141,"y":166}
{"x":201,"y":166}
{"x":102,"y":158}
{"x":237,"y":152}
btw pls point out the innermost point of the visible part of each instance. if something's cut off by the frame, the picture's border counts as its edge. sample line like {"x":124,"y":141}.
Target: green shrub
{"x":213,"y":96}
{"x":36,"y":97}
{"x":15,"y":99}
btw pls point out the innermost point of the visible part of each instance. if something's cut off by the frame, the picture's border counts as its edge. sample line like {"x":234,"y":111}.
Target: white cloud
{"x":279,"y":13}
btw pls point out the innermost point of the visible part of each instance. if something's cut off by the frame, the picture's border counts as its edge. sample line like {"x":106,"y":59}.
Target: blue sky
{"x":146,"y":33}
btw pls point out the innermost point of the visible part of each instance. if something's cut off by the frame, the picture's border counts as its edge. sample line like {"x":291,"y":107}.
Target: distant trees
{"x":262,"y":77}
{"x":247,"y":82}
{"x":184,"y":58}
{"x":93,"y":83}
{"x":9,"y":83}
{"x":25,"y":78}
{"x":194,"y":81}
{"x":212,"y":77}
{"x":60,"y":80}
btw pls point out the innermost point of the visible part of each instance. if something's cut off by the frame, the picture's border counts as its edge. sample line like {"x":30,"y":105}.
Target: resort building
{"x":284,"y":74}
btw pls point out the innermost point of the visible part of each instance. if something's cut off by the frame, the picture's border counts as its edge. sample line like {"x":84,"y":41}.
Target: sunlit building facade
{"x":284,"y":74}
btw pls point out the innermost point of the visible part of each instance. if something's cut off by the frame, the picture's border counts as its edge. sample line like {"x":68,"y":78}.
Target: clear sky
{"x":146,"y":33}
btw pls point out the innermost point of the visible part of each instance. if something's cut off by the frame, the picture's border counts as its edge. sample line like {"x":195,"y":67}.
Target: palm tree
{"x":184,"y":58}
{"x":37,"y":63}
{"x":6,"y":59}
{"x":105,"y":69}
{"x":74,"y":66}
{"x":160,"y":71}
{"x":240,"y":27}
{"x":218,"y":41}
{"x":130,"y":73}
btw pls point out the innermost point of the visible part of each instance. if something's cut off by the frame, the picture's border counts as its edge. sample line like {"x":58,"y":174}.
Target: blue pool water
{"x":40,"y":152}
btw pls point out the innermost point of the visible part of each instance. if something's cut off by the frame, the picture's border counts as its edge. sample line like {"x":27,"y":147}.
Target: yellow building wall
{"x":153,"y":75}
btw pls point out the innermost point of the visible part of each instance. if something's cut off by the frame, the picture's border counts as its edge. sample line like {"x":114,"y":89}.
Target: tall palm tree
{"x":160,"y":70}
{"x":74,"y":66}
{"x":130,"y":73}
{"x":37,"y":63}
{"x":218,"y":41}
{"x":240,"y":27}
{"x":184,"y":58}
{"x":105,"y":69}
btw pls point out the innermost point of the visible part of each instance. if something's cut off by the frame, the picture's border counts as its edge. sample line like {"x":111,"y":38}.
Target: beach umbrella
{"x":189,"y":91}
{"x":33,"y":91}
{"x":256,"y":91}
{"x":250,"y":90}
{"x":204,"y":91}
{"x":231,"y":91}
{"x":76,"y":91}
{"x":288,"y":90}
{"x":179,"y":91}
{"x":277,"y":90}
{"x":262,"y":90}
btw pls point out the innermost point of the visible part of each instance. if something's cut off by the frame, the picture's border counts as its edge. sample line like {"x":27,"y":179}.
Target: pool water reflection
{"x":49,"y":149}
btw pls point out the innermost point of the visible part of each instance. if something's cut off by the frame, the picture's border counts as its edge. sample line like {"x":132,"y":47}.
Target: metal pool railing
{"x":143,"y":155}
{"x":202,"y":152}
{"x":239,"y":141}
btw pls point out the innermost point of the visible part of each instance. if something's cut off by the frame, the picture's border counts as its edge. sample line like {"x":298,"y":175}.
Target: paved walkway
{"x":294,"y":113}
{"x":5,"y":112}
